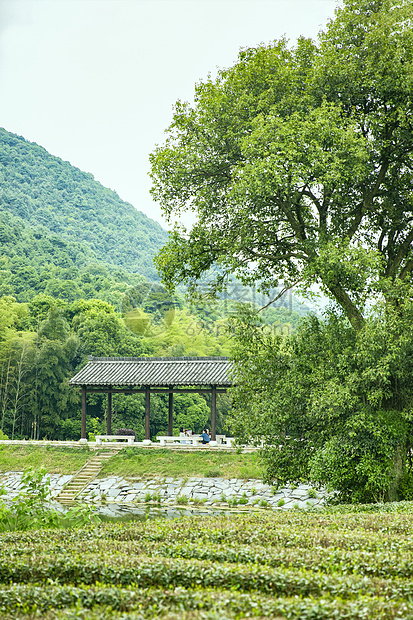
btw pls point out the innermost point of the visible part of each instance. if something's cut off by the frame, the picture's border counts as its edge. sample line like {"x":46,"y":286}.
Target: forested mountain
{"x":60,"y":201}
{"x":35,"y":261}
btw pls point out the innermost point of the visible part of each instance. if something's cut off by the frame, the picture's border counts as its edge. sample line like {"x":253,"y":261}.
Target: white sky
{"x":94,"y":81}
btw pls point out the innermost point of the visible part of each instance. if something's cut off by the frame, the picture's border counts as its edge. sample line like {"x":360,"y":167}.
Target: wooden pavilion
{"x":152,"y":375}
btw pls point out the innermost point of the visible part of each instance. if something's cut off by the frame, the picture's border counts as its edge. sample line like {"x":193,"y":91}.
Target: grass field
{"x":296,"y":565}
{"x":138,"y":462}
{"x":55,"y":460}
{"x":133,"y":462}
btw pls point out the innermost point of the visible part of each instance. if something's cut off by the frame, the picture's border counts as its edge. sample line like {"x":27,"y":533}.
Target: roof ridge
{"x":155,"y":371}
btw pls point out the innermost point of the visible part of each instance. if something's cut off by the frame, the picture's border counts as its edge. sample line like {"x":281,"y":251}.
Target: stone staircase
{"x":82,"y":478}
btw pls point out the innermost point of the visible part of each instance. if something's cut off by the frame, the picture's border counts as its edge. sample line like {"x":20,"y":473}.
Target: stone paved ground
{"x":170,"y":491}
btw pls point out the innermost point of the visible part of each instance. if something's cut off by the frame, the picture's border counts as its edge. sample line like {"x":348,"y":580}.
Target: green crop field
{"x":334,"y":563}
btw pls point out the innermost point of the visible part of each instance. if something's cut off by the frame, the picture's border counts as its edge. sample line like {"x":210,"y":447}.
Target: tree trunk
{"x":397,"y":473}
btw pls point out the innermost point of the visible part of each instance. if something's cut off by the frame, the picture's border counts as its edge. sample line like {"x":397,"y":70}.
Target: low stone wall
{"x":10,"y":482}
{"x":171,"y":491}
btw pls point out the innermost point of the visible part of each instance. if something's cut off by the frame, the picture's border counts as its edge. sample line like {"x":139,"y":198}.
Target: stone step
{"x":82,"y":478}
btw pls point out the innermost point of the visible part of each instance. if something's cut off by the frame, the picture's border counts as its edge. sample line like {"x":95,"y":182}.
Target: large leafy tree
{"x":298,"y":162}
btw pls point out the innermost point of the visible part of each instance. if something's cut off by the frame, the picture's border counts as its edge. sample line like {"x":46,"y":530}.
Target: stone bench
{"x":129,"y":438}
{"x":193,"y":440}
{"x":168,"y":439}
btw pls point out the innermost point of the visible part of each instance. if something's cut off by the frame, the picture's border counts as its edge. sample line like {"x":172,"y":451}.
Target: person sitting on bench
{"x":205,"y":437}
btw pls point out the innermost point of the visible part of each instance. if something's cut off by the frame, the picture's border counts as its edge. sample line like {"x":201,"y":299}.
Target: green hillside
{"x":61,"y":202}
{"x":35,"y":261}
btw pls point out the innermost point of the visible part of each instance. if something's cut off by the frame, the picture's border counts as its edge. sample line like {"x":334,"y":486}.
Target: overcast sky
{"x":94,"y":81}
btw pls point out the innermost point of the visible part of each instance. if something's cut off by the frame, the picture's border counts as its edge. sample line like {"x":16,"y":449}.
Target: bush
{"x":127,"y":432}
{"x":182,"y":499}
{"x":212,"y":473}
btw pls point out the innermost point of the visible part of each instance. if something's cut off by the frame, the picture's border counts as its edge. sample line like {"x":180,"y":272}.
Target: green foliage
{"x":182,"y":499}
{"x":298,"y":163}
{"x":268,"y":565}
{"x":31,"y":508}
{"x":40,"y":263}
{"x":44,"y":342}
{"x":332,"y":405}
{"x":101,"y":330}
{"x":180,"y":333}
{"x":212,"y":473}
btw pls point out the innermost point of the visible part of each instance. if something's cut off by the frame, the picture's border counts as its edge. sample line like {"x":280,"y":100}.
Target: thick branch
{"x":356,"y":222}
{"x":368,"y":200}
{"x":403,"y":250}
{"x":408,"y":268}
{"x":296,"y":226}
{"x":352,"y":312}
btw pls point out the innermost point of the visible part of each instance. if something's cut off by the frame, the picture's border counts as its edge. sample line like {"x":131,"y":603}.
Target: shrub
{"x":31,"y":508}
{"x":212,"y":473}
{"x":182,"y":499}
{"x":127,"y":432}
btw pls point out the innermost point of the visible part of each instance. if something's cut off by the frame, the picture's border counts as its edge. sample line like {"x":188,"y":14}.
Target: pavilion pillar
{"x":213,"y":412}
{"x":147,"y":412}
{"x":83,"y":425}
{"x":171,"y":413}
{"x":109,"y":417}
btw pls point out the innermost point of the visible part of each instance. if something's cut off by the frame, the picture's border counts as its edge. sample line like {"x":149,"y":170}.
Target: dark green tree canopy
{"x":298,"y":162}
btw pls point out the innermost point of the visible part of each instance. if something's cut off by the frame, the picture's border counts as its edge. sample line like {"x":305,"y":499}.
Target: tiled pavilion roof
{"x":154,"y":372}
